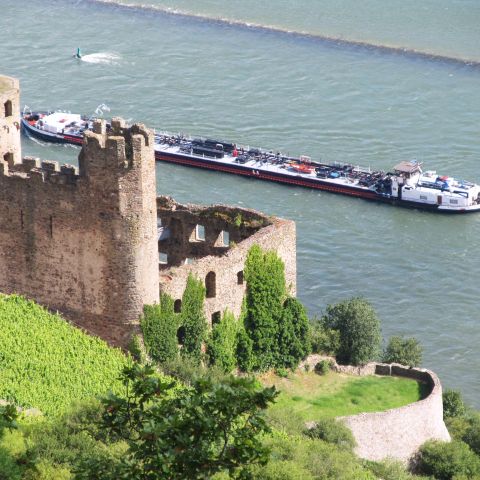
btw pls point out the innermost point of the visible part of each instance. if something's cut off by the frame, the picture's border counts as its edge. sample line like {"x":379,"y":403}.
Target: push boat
{"x":407,"y":185}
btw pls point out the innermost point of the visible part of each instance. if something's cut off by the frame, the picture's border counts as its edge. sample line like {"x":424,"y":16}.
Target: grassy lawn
{"x":308,"y":396}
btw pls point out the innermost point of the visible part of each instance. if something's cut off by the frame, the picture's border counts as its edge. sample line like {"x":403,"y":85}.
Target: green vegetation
{"x":222,"y":343}
{"x":46,"y":363}
{"x":159,"y":326}
{"x":276,"y":324}
{"x":307,"y":396}
{"x":453,"y":405}
{"x":194,"y":433}
{"x":332,"y":431}
{"x":406,"y":351}
{"x":359,"y":329}
{"x":193,"y":318}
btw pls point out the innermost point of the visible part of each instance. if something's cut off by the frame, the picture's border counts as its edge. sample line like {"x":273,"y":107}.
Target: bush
{"x":244,"y":351}
{"x":445,"y":460}
{"x":222,"y":344}
{"x":293,"y":337}
{"x":406,"y":351}
{"x":159,"y":326}
{"x":193,"y":319}
{"x":324,"y":340}
{"x":281,"y":372}
{"x":323,"y":367}
{"x":453,"y":405}
{"x":390,"y":470}
{"x":333,"y":431}
{"x":136,"y":349}
{"x":472,"y":434}
{"x":359,"y":329}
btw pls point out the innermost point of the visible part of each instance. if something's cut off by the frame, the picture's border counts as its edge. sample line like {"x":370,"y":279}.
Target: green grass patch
{"x":46,"y":363}
{"x":308,"y":396}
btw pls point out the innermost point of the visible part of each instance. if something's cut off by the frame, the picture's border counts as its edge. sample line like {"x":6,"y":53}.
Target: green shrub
{"x":359,"y":329}
{"x":390,"y":470}
{"x":281,"y":372}
{"x":444,"y":460}
{"x":406,"y":351}
{"x":472,"y":434}
{"x":332,"y":431}
{"x":159,"y":326}
{"x":136,"y":349}
{"x":282,"y":470}
{"x":324,"y":340}
{"x":222,"y":344}
{"x":244,"y":351}
{"x":193,"y":319}
{"x":323,"y":367}
{"x":453,"y":405}
{"x":293,"y":335}
{"x":46,"y":363}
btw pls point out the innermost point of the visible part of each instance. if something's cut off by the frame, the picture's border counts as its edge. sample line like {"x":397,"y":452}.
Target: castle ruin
{"x":96,"y":244}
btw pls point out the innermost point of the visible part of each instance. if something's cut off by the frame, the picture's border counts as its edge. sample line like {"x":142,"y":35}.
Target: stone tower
{"x":10,"y":150}
{"x":83,"y":242}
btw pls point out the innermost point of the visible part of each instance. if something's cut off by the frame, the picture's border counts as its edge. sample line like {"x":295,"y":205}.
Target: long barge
{"x":407,"y":185}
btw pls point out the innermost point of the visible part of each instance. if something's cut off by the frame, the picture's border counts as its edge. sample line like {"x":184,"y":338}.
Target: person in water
{"x":78,"y":54}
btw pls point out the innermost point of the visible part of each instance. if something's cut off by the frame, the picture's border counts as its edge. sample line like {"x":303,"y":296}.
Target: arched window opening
{"x":210,"y":285}
{"x":177,"y":305}
{"x":216,"y":316}
{"x":240,"y":277}
{"x":8,"y":108}
{"x":181,"y":336}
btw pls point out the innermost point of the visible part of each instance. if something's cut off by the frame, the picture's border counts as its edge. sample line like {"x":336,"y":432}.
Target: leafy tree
{"x":266,"y":291}
{"x":193,"y":318}
{"x":453,"y":405}
{"x":472,"y":434}
{"x":406,"y":351}
{"x":324,"y":340}
{"x":293,"y":341}
{"x":446,"y":460}
{"x":223,"y":342}
{"x":197,"y":432}
{"x":359,"y":328}
{"x":159,"y":325}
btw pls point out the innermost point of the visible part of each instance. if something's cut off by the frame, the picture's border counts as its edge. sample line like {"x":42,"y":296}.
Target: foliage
{"x":293,"y":335}
{"x":324,"y":340}
{"x":323,"y":367}
{"x":359,"y":329}
{"x":136,"y":348}
{"x":220,"y":423}
{"x":332,"y":431}
{"x":453,"y":405}
{"x":222,"y":344}
{"x":8,"y":417}
{"x":444,"y":460}
{"x":390,"y":470}
{"x":47,"y":363}
{"x":244,"y":351}
{"x":294,"y":456}
{"x":266,"y":291}
{"x":159,"y":326}
{"x":193,"y":318}
{"x":472,"y":433}
{"x":406,"y":351}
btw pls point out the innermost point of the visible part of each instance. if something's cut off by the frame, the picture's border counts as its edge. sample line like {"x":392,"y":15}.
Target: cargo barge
{"x":406,"y":185}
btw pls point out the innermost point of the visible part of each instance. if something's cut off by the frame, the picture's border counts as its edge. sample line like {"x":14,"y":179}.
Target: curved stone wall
{"x":398,"y":433}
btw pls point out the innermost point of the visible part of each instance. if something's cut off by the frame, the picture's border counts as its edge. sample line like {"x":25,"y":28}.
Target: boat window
{"x":8,"y":108}
{"x":423,"y":197}
{"x":454,"y":202}
{"x":200,"y":233}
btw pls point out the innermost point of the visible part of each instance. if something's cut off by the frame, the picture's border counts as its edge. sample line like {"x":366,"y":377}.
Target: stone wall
{"x":83,"y":242}
{"x":218,"y":263}
{"x":10,"y":150}
{"x":398,"y":433}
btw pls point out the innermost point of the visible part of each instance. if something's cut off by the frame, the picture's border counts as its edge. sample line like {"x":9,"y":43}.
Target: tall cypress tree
{"x":193,"y":318}
{"x":266,"y":291}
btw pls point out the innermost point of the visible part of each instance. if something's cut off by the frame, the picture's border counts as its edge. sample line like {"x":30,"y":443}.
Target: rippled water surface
{"x":211,"y":68}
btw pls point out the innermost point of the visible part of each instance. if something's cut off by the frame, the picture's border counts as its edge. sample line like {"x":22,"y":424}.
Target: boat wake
{"x":339,"y":41}
{"x":106,"y":58}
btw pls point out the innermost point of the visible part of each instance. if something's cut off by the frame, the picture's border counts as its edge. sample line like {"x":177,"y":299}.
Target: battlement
{"x":115,"y":148}
{"x":40,"y":171}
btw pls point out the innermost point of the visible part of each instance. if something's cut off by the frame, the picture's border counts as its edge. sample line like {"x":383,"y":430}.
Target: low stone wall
{"x":398,"y":433}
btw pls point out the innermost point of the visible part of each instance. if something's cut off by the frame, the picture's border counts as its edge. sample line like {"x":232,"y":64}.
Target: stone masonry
{"x":91,"y":242}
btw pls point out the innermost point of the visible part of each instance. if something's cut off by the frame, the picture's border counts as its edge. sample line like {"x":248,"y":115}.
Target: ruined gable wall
{"x":226,"y":262}
{"x":84,"y":243}
{"x":9,"y":119}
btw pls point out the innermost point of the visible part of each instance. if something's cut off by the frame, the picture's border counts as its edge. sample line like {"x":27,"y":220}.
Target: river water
{"x":371,"y":83}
